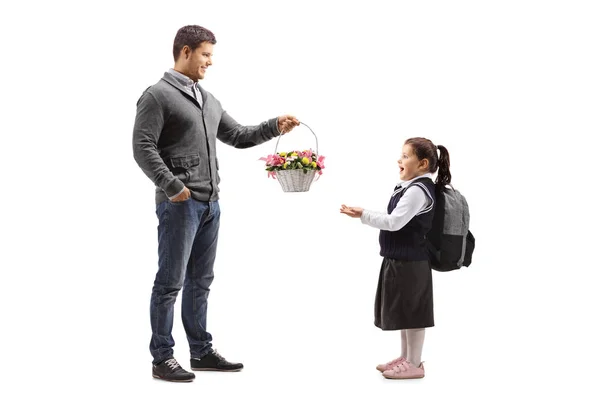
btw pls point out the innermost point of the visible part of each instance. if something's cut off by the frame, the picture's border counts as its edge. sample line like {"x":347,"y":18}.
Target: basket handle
{"x":316,"y":140}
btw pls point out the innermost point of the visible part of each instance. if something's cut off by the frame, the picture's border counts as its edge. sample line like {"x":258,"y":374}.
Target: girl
{"x":404,"y":298}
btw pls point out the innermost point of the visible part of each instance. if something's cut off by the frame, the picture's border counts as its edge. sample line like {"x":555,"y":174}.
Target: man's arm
{"x":234,"y":134}
{"x":148,"y":125}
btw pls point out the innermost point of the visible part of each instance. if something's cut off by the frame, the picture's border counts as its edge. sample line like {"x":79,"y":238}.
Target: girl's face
{"x":410,"y":166}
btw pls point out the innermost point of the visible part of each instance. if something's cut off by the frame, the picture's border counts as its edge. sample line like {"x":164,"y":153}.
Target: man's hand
{"x":354,"y":212}
{"x":183,"y":196}
{"x":286,"y":123}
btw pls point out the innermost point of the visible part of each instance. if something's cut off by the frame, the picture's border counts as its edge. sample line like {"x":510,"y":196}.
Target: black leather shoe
{"x":214,"y":362}
{"x":170,"y":370}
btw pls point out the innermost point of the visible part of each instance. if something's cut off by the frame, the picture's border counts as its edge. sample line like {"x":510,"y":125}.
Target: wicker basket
{"x":295,"y":180}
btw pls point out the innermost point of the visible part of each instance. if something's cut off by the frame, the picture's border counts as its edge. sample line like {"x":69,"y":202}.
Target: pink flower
{"x":320,"y":162}
{"x":273,"y":160}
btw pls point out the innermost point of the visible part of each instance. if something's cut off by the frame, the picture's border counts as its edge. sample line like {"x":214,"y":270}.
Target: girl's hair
{"x":424,"y":148}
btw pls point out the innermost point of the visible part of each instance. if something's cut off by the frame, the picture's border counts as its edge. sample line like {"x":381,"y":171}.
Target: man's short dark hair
{"x":191,"y":36}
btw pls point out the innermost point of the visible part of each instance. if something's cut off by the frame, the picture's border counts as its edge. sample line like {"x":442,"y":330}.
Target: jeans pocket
{"x":181,"y":202}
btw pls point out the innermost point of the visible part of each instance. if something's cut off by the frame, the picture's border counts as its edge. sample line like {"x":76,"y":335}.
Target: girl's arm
{"x":411,"y":203}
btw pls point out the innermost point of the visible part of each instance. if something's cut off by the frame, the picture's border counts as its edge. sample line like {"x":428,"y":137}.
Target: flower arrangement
{"x":294,"y":160}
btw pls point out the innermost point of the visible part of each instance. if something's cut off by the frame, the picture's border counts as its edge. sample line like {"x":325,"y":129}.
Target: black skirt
{"x":404,"y":298}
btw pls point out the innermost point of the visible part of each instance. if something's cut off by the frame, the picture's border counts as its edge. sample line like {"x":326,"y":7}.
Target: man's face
{"x":197,"y":61}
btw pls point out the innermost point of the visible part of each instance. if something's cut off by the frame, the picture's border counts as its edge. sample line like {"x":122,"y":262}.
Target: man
{"x":174,"y":143}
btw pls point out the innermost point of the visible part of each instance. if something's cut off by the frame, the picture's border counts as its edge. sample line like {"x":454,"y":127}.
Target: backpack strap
{"x":466,"y":219}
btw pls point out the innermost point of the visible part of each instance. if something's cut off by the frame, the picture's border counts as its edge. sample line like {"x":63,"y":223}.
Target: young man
{"x":174,"y":143}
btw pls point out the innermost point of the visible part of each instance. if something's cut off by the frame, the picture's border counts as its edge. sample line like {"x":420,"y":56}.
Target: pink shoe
{"x":405,"y":370}
{"x":390,"y":365}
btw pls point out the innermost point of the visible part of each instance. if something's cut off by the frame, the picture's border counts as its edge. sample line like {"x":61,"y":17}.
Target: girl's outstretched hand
{"x":354,"y":212}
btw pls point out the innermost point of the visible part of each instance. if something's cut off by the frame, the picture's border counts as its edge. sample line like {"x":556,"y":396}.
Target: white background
{"x":510,"y":87}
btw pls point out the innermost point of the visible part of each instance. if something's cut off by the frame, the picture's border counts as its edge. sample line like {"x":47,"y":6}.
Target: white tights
{"x":412,"y":345}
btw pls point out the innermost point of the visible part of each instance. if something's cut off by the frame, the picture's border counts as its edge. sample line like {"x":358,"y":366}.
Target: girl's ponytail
{"x":444,"y":177}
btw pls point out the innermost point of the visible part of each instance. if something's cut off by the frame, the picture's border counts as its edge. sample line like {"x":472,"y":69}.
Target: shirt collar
{"x":181,"y":78}
{"x":406,"y":183}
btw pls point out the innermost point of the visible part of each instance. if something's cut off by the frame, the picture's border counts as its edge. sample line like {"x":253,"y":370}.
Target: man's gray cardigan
{"x":174,"y":139}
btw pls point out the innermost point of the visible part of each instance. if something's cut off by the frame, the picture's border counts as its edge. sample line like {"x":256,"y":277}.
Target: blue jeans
{"x":187,"y":246}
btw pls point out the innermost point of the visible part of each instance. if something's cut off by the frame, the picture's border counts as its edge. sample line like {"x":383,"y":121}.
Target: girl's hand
{"x":354,"y":212}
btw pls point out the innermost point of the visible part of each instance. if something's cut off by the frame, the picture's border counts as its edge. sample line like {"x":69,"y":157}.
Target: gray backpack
{"x":450,"y":244}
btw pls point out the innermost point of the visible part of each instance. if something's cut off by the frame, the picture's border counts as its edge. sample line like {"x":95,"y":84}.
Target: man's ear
{"x":186,"y":51}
